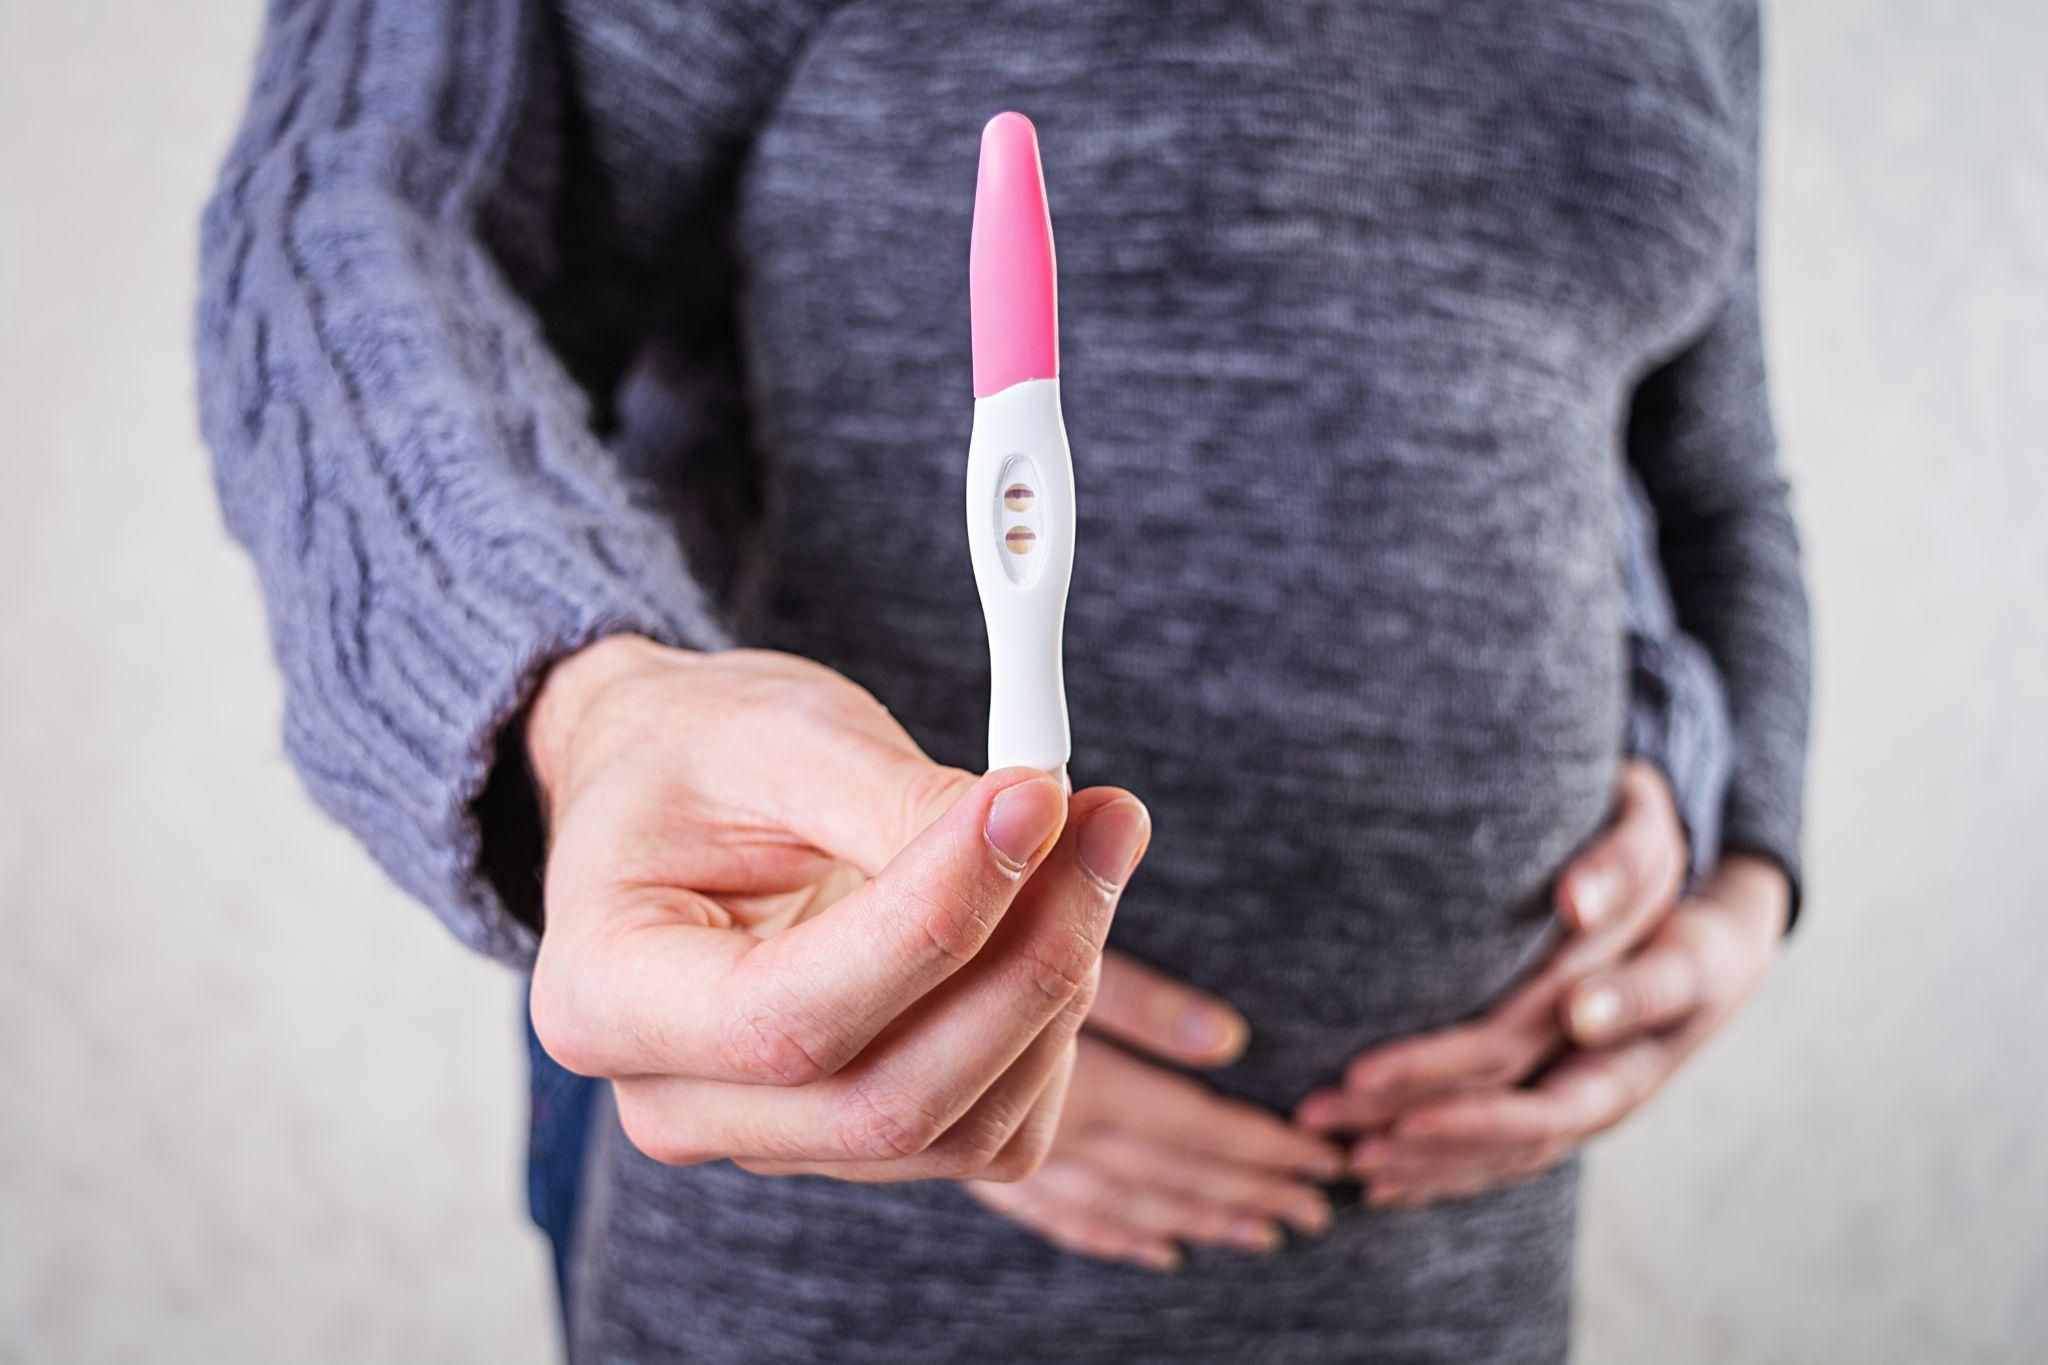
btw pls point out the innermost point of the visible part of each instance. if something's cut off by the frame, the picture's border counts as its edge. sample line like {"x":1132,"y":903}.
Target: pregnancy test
{"x":1020,"y":474}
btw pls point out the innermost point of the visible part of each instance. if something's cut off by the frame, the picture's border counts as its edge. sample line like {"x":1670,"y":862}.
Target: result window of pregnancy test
{"x":1017,"y":520}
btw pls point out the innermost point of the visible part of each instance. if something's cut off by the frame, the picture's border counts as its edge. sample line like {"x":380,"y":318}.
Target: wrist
{"x":570,"y":692}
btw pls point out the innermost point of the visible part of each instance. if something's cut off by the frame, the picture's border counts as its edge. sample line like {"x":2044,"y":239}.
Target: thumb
{"x":882,"y":798}
{"x":827,"y":986}
{"x":1151,"y":1011}
{"x":858,"y":790}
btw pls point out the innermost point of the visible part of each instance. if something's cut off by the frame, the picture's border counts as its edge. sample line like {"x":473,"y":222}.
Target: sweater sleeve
{"x":406,"y":459}
{"x":1677,"y":714}
{"x":1700,"y":436}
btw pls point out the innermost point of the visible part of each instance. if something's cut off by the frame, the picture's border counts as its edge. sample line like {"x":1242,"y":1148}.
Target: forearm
{"x":1700,"y":435}
{"x":404,"y":458}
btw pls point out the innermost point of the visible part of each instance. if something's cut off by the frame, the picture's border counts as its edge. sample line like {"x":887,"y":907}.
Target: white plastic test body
{"x":1020,"y":473}
{"x":1020,"y":531}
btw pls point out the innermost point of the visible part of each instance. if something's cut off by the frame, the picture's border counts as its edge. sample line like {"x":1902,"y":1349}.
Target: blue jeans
{"x":558,"y":1133}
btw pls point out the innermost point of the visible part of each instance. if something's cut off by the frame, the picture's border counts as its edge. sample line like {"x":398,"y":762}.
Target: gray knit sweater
{"x":525,"y":322}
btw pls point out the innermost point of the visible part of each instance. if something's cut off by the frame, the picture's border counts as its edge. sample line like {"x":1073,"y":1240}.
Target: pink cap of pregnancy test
{"x":1011,"y":289}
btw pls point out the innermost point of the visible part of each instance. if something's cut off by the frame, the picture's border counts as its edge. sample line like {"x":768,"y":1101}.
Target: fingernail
{"x":1595,"y":1013}
{"x":1112,"y":839}
{"x":1381,"y":1195}
{"x":1328,"y":1166}
{"x":1255,"y":1235}
{"x":1593,"y":897}
{"x":1022,"y":818}
{"x":1312,"y":1217}
{"x":1210,"y":1031}
{"x":1161,"y":1258}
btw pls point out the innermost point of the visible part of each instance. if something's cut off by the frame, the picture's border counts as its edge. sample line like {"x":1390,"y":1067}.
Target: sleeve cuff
{"x":1678,"y":721}
{"x":406,"y":726}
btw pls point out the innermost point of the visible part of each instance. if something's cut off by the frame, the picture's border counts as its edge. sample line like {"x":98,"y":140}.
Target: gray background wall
{"x":255,"y":1107}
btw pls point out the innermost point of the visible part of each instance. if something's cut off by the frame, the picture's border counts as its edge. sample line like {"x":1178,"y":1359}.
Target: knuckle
{"x":766,"y":1046}
{"x":951,"y":924}
{"x":878,"y":1124}
{"x":1074,"y":1014}
{"x":1022,"y":1158}
{"x":978,"y":1141}
{"x":943,"y":1161}
{"x":1063,"y":969}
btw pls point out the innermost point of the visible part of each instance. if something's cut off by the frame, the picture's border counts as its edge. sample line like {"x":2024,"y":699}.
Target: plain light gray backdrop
{"x":254,"y":1106}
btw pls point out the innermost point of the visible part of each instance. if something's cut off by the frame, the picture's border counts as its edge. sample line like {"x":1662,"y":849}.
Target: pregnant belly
{"x":1359,"y":852}
{"x":1356,"y":822}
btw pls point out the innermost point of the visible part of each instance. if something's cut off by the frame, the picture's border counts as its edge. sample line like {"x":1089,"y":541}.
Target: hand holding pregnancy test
{"x":785,"y":934}
{"x":792,"y":940}
{"x":1020,"y":474}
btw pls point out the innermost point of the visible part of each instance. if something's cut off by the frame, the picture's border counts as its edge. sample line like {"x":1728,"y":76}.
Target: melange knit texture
{"x":527,"y":322}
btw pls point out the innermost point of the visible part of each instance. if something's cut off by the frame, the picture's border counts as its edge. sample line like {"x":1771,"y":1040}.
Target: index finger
{"x":1148,"y":1009}
{"x":1182,"y":1113}
{"x":1585,"y":1094}
{"x":942,"y":1092}
{"x":1502,"y":1047}
{"x":665,"y":997}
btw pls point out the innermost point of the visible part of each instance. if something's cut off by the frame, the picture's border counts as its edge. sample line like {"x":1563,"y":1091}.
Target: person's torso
{"x":1351,"y":298}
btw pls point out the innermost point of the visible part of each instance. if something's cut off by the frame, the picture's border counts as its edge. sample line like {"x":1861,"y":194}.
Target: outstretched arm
{"x":772,"y":922}
{"x":404,"y":453}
